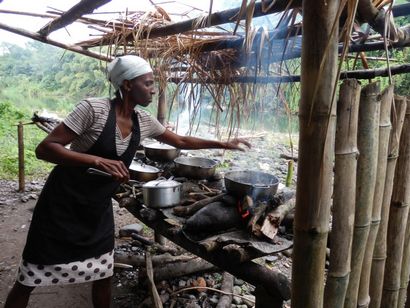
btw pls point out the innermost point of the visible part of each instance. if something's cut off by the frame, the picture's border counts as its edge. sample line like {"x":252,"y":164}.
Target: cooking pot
{"x":256,"y":184}
{"x":161,"y":152}
{"x":195,"y":167}
{"x":161,"y":193}
{"x":143,"y":173}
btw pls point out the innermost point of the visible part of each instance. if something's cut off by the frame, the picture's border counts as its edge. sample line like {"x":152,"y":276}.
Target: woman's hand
{"x":236,"y":144}
{"x":114,"y":167}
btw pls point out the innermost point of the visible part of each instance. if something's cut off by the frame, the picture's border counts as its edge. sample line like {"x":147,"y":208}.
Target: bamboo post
{"x":384,"y":133}
{"x":20,"y":141}
{"x":405,"y":271}
{"x":316,"y":151}
{"x":346,"y":153}
{"x":161,"y":116}
{"x":367,"y":141}
{"x":379,"y":254}
{"x":399,"y":209}
{"x":162,"y":104}
{"x":289,"y":175}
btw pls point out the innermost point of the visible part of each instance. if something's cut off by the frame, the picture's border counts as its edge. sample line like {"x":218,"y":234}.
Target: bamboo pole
{"x":162,"y":104}
{"x":161,"y":115}
{"x":367,"y":140}
{"x":316,"y":151}
{"x":405,"y":271}
{"x":384,"y":133}
{"x":399,"y":209}
{"x":20,"y":141}
{"x":346,"y":153}
{"x":379,"y":254}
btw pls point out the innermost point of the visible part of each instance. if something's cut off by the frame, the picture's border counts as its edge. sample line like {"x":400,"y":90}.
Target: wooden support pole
{"x":315,"y":166}
{"x":162,"y":104}
{"x":399,"y":209}
{"x":384,"y":133}
{"x":344,"y":194}
{"x":20,"y":140}
{"x":379,"y":254}
{"x":37,"y":37}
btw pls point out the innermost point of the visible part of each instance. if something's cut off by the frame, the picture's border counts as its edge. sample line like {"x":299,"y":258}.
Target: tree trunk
{"x":367,"y":141}
{"x":379,"y":254}
{"x":316,"y":151}
{"x":343,"y":208}
{"x":384,"y":133}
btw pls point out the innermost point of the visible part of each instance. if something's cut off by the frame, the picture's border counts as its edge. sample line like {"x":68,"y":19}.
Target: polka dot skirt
{"x":74,"y":272}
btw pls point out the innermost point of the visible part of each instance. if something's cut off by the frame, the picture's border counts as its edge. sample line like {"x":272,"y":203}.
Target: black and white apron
{"x":73,"y":223}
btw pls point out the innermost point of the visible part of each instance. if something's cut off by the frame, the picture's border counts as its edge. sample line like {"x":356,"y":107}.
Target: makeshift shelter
{"x":199,"y":52}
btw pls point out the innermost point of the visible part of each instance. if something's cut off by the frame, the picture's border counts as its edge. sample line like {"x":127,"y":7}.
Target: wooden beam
{"x":357,"y":74}
{"x":37,"y":37}
{"x":81,"y":8}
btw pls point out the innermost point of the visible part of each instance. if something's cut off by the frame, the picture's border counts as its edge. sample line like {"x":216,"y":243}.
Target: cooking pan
{"x":142,"y":172}
{"x":256,"y":184}
{"x":161,"y":193}
{"x":161,"y":152}
{"x":195,"y":167}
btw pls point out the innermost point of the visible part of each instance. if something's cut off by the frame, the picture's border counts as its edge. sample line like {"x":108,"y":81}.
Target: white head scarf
{"x":126,"y":68}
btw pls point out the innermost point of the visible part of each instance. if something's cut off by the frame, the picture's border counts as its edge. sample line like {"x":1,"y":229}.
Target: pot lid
{"x":138,"y":166}
{"x":162,"y":183}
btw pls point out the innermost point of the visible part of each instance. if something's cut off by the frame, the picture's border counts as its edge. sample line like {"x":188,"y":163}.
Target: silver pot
{"x":195,"y":167}
{"x":143,"y":173}
{"x":161,"y":152}
{"x":255,"y":184}
{"x":161,"y":193}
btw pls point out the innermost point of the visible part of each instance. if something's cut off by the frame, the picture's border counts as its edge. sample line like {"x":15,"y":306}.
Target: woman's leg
{"x":101,"y":293}
{"x":18,"y":296}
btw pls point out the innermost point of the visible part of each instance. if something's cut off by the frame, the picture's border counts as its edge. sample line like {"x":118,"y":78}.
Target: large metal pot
{"x":161,"y":193}
{"x":256,"y":184}
{"x":161,"y":152}
{"x":195,"y":167}
{"x":143,"y":173}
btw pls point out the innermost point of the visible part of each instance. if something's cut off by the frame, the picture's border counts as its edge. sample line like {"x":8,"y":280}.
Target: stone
{"x":129,"y":229}
{"x":249,"y":301}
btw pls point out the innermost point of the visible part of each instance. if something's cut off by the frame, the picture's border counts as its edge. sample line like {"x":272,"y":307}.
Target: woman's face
{"x":142,"y":89}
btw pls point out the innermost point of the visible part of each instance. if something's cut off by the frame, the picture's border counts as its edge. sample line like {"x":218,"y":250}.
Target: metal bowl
{"x":256,"y":184}
{"x":195,"y":167}
{"x":161,"y":152}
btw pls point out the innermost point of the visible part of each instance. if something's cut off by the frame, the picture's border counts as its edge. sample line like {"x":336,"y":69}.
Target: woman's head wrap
{"x":126,"y":68}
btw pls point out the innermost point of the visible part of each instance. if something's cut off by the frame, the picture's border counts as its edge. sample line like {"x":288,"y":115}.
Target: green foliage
{"x":34,"y":78}
{"x":10,"y":116}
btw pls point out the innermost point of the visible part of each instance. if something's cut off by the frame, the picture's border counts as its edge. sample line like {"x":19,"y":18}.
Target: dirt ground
{"x":15,"y":217}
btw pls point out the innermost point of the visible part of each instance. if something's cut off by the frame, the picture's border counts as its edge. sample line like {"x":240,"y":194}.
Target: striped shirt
{"x":88,"y":119}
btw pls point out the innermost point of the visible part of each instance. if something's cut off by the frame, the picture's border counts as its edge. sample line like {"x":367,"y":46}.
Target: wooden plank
{"x":81,"y":8}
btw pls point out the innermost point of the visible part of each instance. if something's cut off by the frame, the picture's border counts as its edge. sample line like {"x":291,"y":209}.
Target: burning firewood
{"x":274,"y":218}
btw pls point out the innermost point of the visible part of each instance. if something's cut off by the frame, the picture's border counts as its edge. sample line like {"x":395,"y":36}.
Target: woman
{"x":71,"y":236}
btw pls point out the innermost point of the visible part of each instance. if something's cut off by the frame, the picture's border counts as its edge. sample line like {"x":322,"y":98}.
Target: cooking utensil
{"x":161,"y":152}
{"x":161,"y":193}
{"x":195,"y":167}
{"x":98,"y":172}
{"x":255,"y":184}
{"x":142,"y":172}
